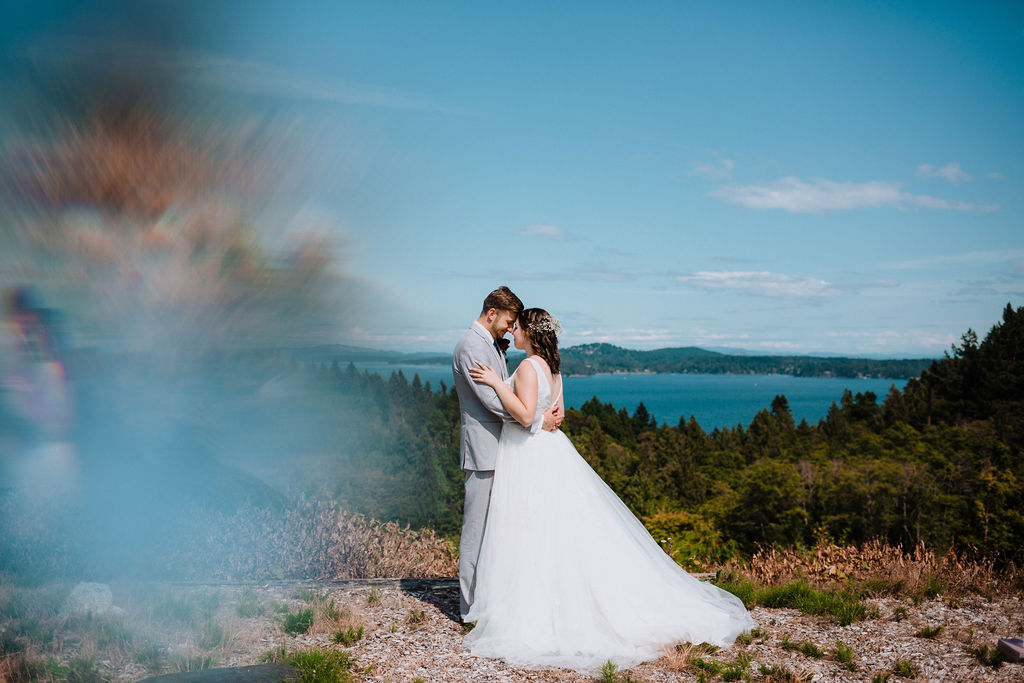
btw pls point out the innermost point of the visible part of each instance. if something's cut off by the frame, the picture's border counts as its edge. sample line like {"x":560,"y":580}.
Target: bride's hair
{"x":542,"y":330}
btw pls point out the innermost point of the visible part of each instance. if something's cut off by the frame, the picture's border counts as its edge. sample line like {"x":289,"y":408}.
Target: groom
{"x":482,"y":418}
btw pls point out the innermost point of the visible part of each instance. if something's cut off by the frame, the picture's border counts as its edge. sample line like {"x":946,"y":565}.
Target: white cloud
{"x":720,"y":171}
{"x":951,"y":172}
{"x":822,"y":196}
{"x":995,"y":176}
{"x":760,"y":283}
{"x":542,"y":230}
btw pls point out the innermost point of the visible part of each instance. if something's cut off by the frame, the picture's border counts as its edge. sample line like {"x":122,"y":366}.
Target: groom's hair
{"x":504,"y":300}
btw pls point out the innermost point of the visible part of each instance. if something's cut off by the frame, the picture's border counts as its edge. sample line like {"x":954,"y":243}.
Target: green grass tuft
{"x":776,"y":674}
{"x":186,"y":664}
{"x":805,"y":647}
{"x":151,"y":657}
{"x":844,"y":604}
{"x":298,"y":622}
{"x":212,"y":635}
{"x":416,"y":619}
{"x":349,"y":636}
{"x":309,"y":595}
{"x":708,"y":666}
{"x":931,"y":632}
{"x":315,"y":665}
{"x":844,"y":655}
{"x":989,"y":656}
{"x":248,"y":605}
{"x":905,"y":669}
{"x":609,"y":672}
{"x":740,"y":669}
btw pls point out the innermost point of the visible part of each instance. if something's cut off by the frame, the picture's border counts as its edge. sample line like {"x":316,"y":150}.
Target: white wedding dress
{"x":569,"y":577}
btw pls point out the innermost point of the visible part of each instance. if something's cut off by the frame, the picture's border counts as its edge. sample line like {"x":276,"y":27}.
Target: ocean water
{"x":715,"y":400}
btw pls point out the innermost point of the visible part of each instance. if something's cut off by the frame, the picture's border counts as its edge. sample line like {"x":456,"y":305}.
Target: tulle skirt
{"x":569,"y":577}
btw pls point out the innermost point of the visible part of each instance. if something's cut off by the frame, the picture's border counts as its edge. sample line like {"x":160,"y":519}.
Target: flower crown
{"x":546,"y":324}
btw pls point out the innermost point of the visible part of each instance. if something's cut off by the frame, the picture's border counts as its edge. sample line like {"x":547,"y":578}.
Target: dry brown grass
{"x":305,"y":541}
{"x":882,"y":568}
{"x":678,"y":657}
{"x":311,"y":540}
{"x":332,"y":616}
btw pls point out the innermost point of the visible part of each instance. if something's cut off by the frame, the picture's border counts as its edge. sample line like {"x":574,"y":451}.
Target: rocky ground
{"x":411,"y":631}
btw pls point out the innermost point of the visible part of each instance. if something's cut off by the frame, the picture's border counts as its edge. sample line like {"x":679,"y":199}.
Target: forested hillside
{"x":589,"y":359}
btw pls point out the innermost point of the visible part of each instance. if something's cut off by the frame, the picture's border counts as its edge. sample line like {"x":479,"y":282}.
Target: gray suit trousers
{"x":474,"y":514}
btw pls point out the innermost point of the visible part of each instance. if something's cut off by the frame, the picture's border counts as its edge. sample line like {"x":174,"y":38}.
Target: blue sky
{"x":797,"y":177}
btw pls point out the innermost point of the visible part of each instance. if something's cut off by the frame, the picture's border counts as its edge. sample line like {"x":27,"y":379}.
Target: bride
{"x":567,"y":575}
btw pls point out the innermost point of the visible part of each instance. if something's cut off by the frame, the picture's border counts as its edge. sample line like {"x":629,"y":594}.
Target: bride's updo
{"x":542,"y":331}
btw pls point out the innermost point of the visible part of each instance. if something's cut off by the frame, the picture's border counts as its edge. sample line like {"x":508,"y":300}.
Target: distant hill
{"x":592,"y":359}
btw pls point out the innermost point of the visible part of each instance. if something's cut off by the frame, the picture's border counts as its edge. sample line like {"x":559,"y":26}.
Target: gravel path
{"x":411,"y":632}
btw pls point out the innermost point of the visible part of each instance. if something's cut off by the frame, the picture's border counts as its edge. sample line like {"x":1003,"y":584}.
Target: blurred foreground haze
{"x":160,"y":241}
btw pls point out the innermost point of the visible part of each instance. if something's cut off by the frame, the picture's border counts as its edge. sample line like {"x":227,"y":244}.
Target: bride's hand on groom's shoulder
{"x":484,"y":374}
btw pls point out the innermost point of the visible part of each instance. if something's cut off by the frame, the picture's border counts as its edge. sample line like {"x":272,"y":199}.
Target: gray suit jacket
{"x":482,"y":412}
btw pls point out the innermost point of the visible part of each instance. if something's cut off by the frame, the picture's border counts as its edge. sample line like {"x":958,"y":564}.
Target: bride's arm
{"x":520,"y":403}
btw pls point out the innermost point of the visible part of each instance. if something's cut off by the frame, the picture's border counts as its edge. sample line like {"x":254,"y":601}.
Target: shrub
{"x":691,"y":540}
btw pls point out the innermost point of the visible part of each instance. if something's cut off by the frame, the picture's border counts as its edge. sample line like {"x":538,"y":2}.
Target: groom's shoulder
{"x":470,"y":336}
{"x":466,"y":339}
